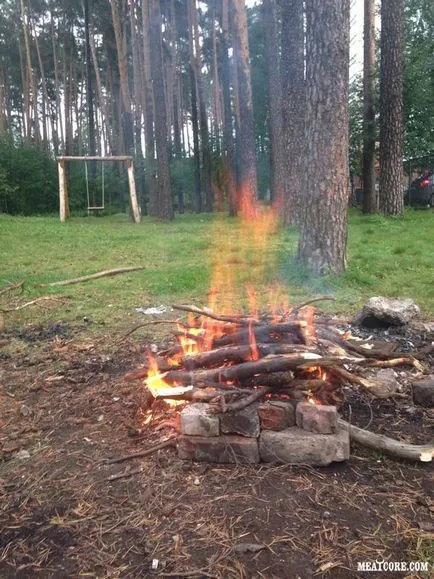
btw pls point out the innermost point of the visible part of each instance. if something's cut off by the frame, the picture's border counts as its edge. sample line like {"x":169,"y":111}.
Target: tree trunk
{"x":194,"y":112}
{"x":126,"y":116}
{"x":165,"y":207}
{"x":323,"y":227}
{"x":277,"y":157}
{"x":294,"y":106}
{"x":204,"y":130}
{"x":148,"y":110}
{"x":228,"y":138}
{"x":391,"y":131}
{"x":89,"y":89}
{"x":247,"y":191}
{"x":370,"y":198}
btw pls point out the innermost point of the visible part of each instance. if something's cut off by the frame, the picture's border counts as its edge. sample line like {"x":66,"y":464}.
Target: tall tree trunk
{"x":277,"y":157}
{"x":194,"y":110}
{"x":247,"y":192}
{"x":391,"y":130}
{"x":165,"y":206}
{"x":58,"y":116}
{"x":323,"y":227}
{"x":89,"y":89}
{"x":294,"y":105}
{"x":204,"y":130}
{"x":370,"y":198}
{"x":127,"y":121}
{"x":148,"y":111}
{"x":31,"y":82}
{"x":3,"y":122}
{"x":102,"y":100}
{"x":228,"y":138}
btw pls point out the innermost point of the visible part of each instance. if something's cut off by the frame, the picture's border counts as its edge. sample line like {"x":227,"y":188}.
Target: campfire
{"x":260,"y":379}
{"x":265,"y":386}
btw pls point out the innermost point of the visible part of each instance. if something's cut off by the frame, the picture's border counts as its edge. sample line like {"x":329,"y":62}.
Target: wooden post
{"x":63,"y":192}
{"x":133,"y":195}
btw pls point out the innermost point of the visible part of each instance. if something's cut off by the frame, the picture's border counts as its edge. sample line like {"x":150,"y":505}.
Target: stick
{"x":241,"y":320}
{"x":311,"y":301}
{"x":105,"y":273}
{"x":246,"y":369}
{"x":423,"y":453}
{"x":11,"y":287}
{"x":147,"y":452}
{"x":125,"y":474}
{"x":245,"y":401}
{"x":37,"y":300}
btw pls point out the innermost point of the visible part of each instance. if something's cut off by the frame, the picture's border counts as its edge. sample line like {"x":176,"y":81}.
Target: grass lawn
{"x":392,"y":257}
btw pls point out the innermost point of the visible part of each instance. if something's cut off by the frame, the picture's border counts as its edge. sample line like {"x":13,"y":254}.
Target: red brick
{"x":318,"y":418}
{"x":221,"y":449}
{"x":276,"y":415}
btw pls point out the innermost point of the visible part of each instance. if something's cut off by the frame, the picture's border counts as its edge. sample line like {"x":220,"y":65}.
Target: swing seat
{"x":95,"y":208}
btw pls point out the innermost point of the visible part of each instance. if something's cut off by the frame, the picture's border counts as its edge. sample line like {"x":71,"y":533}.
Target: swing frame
{"x":63,"y":184}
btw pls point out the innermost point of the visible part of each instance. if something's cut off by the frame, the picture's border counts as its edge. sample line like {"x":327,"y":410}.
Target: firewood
{"x":265,"y":333}
{"x":243,"y":370}
{"x":238,"y":354}
{"x":242,"y":402}
{"x":422,"y":453}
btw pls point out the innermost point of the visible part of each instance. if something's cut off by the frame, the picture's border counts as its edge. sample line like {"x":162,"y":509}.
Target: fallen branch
{"x":11,"y":287}
{"x":240,"y":320}
{"x":153,"y":323}
{"x":147,"y":452}
{"x":311,"y":301}
{"x":242,"y":402}
{"x":105,"y":273}
{"x":422,"y":453}
{"x":35,"y":301}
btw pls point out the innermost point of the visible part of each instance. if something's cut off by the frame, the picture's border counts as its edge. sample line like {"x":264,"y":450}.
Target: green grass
{"x":391,"y":257}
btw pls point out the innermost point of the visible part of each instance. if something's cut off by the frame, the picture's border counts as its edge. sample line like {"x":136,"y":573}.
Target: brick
{"x":276,"y":415}
{"x":297,"y":446}
{"x":322,"y":419}
{"x":196,"y":422}
{"x":221,"y":449}
{"x":244,"y":422}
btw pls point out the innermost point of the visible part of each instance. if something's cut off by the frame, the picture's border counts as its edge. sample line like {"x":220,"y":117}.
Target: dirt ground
{"x":66,"y":410}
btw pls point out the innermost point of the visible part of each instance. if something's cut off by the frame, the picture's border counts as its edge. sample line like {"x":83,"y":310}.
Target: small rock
{"x":381,"y":311}
{"x":423,"y":392}
{"x":25,"y":410}
{"x":249,"y":547}
{"x":23,"y":455}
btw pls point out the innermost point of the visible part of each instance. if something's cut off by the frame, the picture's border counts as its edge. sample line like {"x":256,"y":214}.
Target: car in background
{"x":421,"y":191}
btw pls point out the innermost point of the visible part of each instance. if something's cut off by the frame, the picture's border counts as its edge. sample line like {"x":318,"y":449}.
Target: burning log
{"x":288,"y":332}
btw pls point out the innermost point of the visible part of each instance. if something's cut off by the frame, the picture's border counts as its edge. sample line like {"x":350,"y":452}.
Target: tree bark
{"x":277,"y":157}
{"x":165,"y":207}
{"x":228,"y":138}
{"x":247,"y":186}
{"x":391,"y":129}
{"x":294,"y":106}
{"x":370,"y":198}
{"x":194,"y":111}
{"x":323,"y":227}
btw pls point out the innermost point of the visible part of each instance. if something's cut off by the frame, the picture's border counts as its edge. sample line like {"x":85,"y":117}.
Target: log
{"x":105,"y":273}
{"x":422,"y":453}
{"x":264,"y":333}
{"x":200,"y":395}
{"x":244,"y":370}
{"x":244,"y":401}
{"x":238,"y":354}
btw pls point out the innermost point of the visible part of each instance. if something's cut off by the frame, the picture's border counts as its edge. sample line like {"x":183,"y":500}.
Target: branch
{"x":147,"y":452}
{"x":105,"y":273}
{"x":311,"y":301}
{"x":422,"y":453}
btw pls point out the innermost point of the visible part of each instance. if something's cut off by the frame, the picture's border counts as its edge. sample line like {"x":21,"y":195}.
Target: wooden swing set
{"x":63,"y":185}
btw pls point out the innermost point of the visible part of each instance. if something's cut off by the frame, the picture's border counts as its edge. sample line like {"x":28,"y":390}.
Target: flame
{"x":159,"y":387}
{"x":189,"y":345}
{"x":252,"y":342}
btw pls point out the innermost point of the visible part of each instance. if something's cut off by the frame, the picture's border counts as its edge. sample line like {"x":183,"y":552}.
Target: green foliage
{"x":28,"y":179}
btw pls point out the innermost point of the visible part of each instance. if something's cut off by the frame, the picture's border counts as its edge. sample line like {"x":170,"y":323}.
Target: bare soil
{"x":63,"y":399}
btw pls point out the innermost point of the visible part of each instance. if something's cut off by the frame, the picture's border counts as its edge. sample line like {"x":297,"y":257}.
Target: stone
{"x":196,"y":422}
{"x":386,"y":383}
{"x":423,"y":392}
{"x":381,"y":311}
{"x":244,"y":422}
{"x":322,"y":419}
{"x":297,"y":446}
{"x":220,"y":449}
{"x":276,"y":415}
